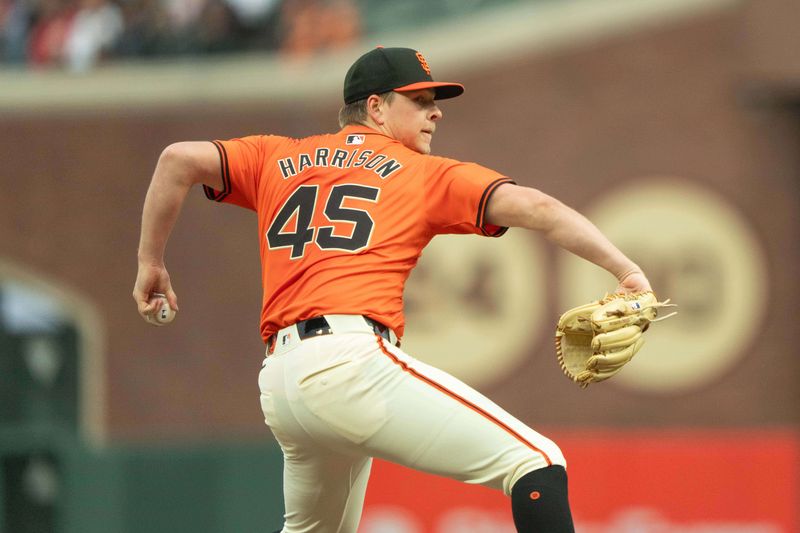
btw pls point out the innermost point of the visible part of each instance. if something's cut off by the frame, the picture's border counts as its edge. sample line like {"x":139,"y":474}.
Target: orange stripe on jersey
{"x":479,"y":222}
{"x":461,"y":400}
{"x":225,"y":171}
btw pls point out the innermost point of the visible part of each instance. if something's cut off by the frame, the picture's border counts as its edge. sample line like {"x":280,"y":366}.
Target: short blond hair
{"x":356,"y":112}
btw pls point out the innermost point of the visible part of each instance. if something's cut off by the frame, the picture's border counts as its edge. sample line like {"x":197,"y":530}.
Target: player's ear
{"x":375,"y":105}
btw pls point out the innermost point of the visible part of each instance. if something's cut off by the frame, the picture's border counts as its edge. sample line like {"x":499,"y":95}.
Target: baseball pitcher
{"x":342,"y":220}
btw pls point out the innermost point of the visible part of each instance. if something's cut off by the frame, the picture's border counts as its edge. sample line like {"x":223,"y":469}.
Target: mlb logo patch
{"x":355,"y":139}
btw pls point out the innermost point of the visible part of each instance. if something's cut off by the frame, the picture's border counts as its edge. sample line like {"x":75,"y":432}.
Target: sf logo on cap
{"x":424,"y":63}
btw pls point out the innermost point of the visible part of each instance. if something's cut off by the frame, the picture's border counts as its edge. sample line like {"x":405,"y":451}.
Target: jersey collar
{"x":361,"y":129}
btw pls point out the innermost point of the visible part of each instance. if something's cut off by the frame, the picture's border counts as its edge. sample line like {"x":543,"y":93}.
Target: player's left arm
{"x":515,"y":206}
{"x":180,"y":166}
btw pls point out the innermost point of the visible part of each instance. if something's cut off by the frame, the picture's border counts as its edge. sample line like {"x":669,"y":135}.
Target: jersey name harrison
{"x":322,"y":157}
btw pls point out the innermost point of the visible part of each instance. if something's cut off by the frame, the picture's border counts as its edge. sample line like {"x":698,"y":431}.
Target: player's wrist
{"x":631,"y":270}
{"x":150,"y":260}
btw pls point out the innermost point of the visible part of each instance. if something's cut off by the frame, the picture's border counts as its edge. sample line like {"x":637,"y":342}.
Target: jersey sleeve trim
{"x":487,"y":194}
{"x":225,"y":171}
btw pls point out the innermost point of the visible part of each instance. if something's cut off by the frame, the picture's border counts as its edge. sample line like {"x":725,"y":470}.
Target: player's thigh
{"x":323,"y":490}
{"x":438,"y":424}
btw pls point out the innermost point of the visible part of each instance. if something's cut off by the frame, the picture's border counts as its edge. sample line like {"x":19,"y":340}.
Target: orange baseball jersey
{"x":343,"y":218}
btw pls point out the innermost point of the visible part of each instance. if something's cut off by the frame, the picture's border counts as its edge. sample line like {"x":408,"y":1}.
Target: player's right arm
{"x":180,"y":166}
{"x":516,"y":206}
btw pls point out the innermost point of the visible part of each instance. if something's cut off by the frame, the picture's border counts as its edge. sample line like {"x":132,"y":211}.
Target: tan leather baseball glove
{"x":594,"y":341}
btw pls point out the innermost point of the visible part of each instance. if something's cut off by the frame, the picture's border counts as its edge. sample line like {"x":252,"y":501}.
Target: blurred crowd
{"x":77,"y":35}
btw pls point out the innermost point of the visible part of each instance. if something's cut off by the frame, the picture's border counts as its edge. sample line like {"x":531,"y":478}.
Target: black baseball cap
{"x":393,"y":69}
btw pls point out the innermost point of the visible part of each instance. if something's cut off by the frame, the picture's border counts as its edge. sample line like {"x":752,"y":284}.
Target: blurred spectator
{"x":183,"y":14}
{"x":95,"y":29}
{"x":345,"y":26}
{"x":78,"y":34}
{"x":253,"y":13}
{"x":217,"y":30}
{"x":259,"y":20}
{"x":15,"y":20}
{"x":147,"y":30}
{"x":52,"y":24}
{"x":311,"y":26}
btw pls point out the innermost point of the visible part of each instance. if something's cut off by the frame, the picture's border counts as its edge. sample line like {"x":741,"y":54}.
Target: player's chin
{"x":423,"y":146}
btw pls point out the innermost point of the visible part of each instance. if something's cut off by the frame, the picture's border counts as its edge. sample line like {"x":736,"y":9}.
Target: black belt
{"x":313,"y":327}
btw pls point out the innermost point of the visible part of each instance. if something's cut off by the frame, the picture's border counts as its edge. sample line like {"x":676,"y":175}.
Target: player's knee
{"x":540,"y":501}
{"x":555,"y":456}
{"x":527,"y":460}
{"x":549,"y":454}
{"x":553,"y":477}
{"x":548,"y":451}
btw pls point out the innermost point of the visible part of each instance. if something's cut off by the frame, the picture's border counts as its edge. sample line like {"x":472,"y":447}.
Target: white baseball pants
{"x":335,"y":401}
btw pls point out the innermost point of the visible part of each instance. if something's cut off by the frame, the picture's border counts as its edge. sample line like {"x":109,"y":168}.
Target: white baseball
{"x":164,"y":314}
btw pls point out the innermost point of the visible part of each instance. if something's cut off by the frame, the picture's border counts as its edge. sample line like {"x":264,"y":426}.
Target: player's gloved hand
{"x":594,"y":341}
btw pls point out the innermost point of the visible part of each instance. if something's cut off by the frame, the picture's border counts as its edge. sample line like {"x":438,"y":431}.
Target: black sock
{"x":539,"y":502}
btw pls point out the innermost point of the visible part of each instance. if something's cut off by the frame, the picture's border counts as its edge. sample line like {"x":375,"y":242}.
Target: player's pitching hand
{"x":155,"y":300}
{"x":163,"y":314}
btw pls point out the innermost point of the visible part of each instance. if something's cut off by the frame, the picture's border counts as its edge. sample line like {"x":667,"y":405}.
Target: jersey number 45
{"x":291,"y":227}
